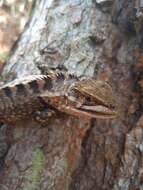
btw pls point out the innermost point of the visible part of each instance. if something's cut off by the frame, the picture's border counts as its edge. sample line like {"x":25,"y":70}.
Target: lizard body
{"x":63,"y":92}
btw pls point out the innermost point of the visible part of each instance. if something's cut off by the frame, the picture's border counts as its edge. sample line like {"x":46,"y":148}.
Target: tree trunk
{"x":91,"y":38}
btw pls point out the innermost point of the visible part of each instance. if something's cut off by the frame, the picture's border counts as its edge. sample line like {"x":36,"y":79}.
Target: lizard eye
{"x":112,"y":106}
{"x":88,"y":99}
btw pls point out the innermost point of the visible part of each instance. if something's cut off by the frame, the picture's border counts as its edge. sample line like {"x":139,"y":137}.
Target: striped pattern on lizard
{"x":65,"y":93}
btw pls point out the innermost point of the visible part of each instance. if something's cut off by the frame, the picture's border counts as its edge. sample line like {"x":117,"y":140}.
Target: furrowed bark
{"x":92,"y":38}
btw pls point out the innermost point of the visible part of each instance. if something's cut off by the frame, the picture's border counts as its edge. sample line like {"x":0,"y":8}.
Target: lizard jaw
{"x":98,"y":111}
{"x":89,"y":112}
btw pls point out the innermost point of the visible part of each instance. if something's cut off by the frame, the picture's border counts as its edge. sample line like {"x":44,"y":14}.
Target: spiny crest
{"x":60,"y":76}
{"x":35,"y":84}
{"x":25,"y":80}
{"x":32,"y":84}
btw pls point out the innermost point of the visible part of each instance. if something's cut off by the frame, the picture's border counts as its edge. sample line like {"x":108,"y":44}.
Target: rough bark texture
{"x":91,"y":38}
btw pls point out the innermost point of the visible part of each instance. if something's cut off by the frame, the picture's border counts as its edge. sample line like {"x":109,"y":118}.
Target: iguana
{"x":59,"y":92}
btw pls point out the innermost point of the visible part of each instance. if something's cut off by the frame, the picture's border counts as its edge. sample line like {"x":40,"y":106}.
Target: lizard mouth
{"x":98,"y":112}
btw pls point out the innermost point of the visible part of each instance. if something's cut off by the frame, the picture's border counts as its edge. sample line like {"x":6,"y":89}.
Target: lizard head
{"x":92,"y":98}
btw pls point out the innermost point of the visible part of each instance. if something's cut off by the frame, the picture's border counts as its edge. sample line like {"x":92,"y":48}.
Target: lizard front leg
{"x":43,"y":116}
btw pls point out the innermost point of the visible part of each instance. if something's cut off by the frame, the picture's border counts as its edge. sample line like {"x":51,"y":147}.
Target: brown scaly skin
{"x":63,"y":92}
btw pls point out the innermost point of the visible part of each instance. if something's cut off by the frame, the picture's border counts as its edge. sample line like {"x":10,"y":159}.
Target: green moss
{"x":34,"y":172}
{"x":3,"y":56}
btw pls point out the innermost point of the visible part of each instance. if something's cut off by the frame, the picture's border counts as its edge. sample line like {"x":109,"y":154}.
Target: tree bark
{"x":91,"y":38}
